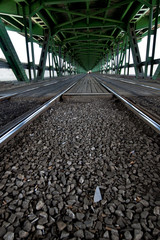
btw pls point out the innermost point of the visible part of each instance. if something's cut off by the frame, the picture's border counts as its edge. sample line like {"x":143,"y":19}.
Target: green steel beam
{"x":143,"y":23}
{"x":135,"y":51}
{"x":88,"y":54}
{"x":51,"y":2}
{"x":10,"y":8}
{"x":90,"y":26}
{"x":34,"y":8}
{"x":11,"y":55}
{"x":32,"y":47}
{"x":43,"y":57}
{"x":126,"y":10}
{"x":60,"y":60}
{"x":93,"y":44}
{"x":157,"y":73}
{"x":81,"y":38}
{"x":93,"y":24}
{"x":18,"y":20}
{"x":12,"y":22}
{"x":16,"y":26}
{"x":85,"y":39}
{"x":21,"y":1}
{"x":123,"y":53}
{"x":148,"y":40}
{"x":146,"y":3}
{"x":26,"y":40}
{"x":154,"y":36}
{"x":61,"y":26}
{"x":84,"y":15}
{"x":70,"y":18}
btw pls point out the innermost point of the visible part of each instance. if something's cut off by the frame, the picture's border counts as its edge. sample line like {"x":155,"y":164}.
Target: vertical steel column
{"x":70,"y":72}
{"x":60,"y":60}
{"x":129,"y":53}
{"x":154,"y":38}
{"x":49,"y":63}
{"x":32,"y":46}
{"x":64,"y":63}
{"x":56,"y":61}
{"x":117,"y":67}
{"x":112,"y":60}
{"x":121,"y":57}
{"x":107,"y":64}
{"x":26,"y":39}
{"x":52,"y":64}
{"x":148,"y":40}
{"x":135,"y":51}
{"x":56,"y":64}
{"x":101,"y":67}
{"x":11,"y":55}
{"x":66,"y":67}
{"x":123,"y":53}
{"x":42,"y":62}
{"x":125,"y":58}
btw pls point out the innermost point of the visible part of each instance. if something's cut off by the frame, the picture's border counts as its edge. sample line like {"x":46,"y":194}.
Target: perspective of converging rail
{"x":80,"y":119}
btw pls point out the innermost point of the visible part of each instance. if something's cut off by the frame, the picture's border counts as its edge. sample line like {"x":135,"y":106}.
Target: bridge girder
{"x":94,"y":24}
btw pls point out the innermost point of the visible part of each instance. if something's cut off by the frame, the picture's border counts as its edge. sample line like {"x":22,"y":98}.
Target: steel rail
{"x":18,"y":127}
{"x":138,"y":112}
{"x":8,"y":96}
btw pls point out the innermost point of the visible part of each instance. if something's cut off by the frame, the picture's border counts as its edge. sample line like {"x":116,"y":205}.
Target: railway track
{"x":52,"y":169}
{"x":11,"y":130}
{"x":151,"y":119}
{"x":32,"y":88}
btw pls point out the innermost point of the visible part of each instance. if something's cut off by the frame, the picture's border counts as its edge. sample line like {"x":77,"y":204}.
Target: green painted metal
{"x":148,"y":40}
{"x":43,"y":57}
{"x":11,"y":55}
{"x":154,"y":37}
{"x":123,"y":54}
{"x":57,"y":63}
{"x":86,"y":30}
{"x":157,"y":72}
{"x":60,"y":61}
{"x":49,"y":59}
{"x":32,"y":48}
{"x":135,"y":52}
{"x":27,"y":42}
{"x":129,"y":54}
{"x":52,"y":65}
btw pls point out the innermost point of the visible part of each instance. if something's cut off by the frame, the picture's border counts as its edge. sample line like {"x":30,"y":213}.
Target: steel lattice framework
{"x":85,"y":33}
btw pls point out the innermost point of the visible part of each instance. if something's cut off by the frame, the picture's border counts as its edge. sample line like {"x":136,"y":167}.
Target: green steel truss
{"x":81,"y":35}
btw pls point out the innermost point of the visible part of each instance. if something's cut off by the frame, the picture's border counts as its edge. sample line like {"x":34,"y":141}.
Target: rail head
{"x":138,"y":112}
{"x":9,"y":134}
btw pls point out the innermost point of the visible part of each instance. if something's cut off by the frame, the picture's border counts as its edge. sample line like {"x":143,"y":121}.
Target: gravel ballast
{"x":14,"y":108}
{"x":152,"y":104}
{"x":49,"y":173}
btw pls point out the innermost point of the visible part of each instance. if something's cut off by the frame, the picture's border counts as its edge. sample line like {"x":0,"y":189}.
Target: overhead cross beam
{"x":59,"y":10}
{"x":86,"y":34}
{"x":93,"y":24}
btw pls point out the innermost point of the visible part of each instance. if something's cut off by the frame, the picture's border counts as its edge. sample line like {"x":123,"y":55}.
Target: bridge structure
{"x":81,"y":35}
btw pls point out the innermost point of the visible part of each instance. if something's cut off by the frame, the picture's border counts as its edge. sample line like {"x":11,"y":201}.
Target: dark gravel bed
{"x":152,"y":104}
{"x":11,"y":85}
{"x":11,"y":109}
{"x":49,"y":173}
